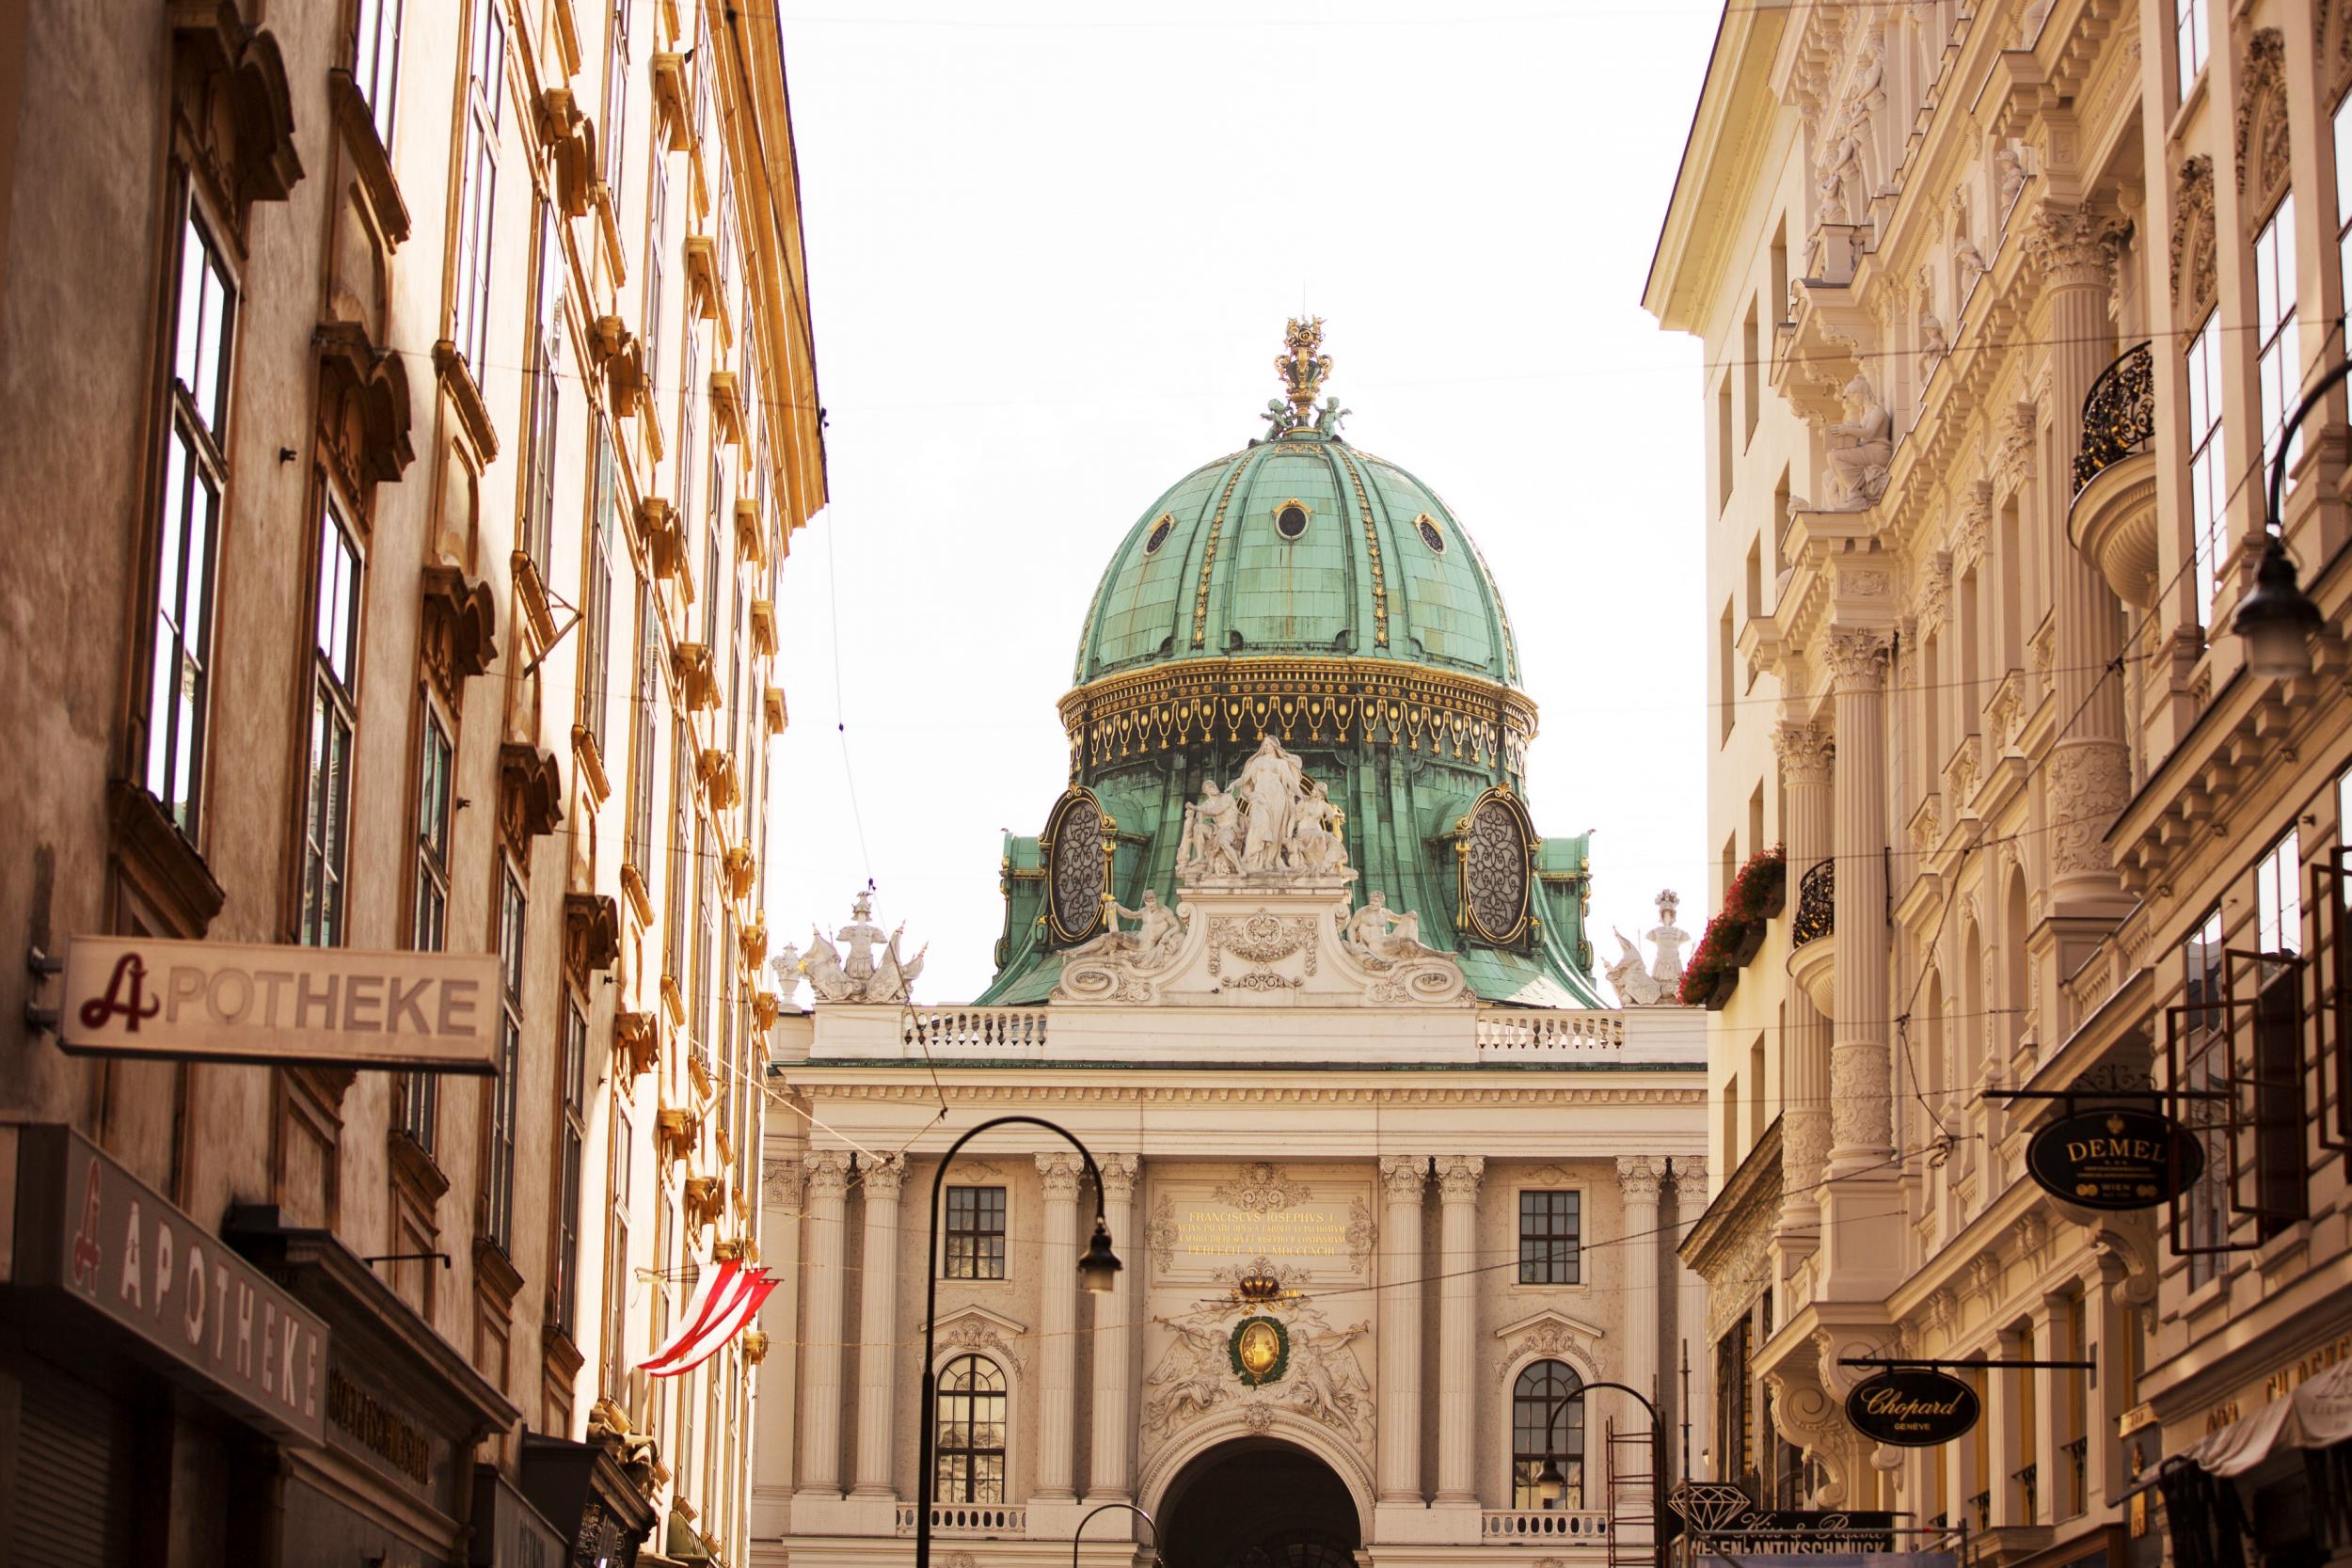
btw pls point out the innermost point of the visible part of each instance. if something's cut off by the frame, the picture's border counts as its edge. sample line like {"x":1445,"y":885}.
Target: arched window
{"x":971,"y":1443}
{"x":1546,"y":1424}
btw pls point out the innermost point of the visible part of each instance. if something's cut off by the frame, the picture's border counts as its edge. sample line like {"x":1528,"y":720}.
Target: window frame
{"x":498,"y":1186}
{"x":1573,"y":1263}
{"x":322,"y":890}
{"x":2191,"y":48}
{"x":2208,"y":462}
{"x":2278,"y":365}
{"x":596,"y":591}
{"x":619,"y":1179}
{"x":1562,"y":1432}
{"x":477,"y":188}
{"x":980,"y":1256}
{"x":419,"y":1112}
{"x":571,"y":1147}
{"x":372,"y":65}
{"x":543,"y":416}
{"x":970,"y":1486}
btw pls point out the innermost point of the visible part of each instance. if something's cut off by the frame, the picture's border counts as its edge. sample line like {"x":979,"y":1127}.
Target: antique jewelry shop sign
{"x":136,"y":996}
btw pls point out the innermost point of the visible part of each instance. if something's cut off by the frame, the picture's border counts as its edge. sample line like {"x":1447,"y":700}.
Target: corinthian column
{"x":1691,"y":1308}
{"x":1806,"y":759}
{"x":1114,"y":1432}
{"x":2090,"y":777}
{"x":1402,"y":1177}
{"x":821,"y":1382}
{"x":1457,"y":1328}
{"x":878,"y":1326}
{"x":1637,"y":1184}
{"x":1861,"y":1125}
{"x":1058,"y":1323}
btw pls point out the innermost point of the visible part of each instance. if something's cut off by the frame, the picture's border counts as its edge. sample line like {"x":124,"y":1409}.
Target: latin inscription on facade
{"x":1209,"y":1231}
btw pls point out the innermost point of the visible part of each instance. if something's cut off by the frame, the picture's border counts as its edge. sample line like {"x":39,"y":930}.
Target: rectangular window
{"x":2343,"y":198}
{"x":681,"y":837}
{"x":1723,"y":443}
{"x":2276,"y":363}
{"x":477,"y":199}
{"x":698,"y":1021}
{"x":615,"y":127}
{"x":1726,"y":649}
{"x":596,"y":595}
{"x":563,"y":1289}
{"x":2278,"y":900}
{"x":546,"y":391}
{"x":976,"y":1233}
{"x":334,"y":717}
{"x":2205,"y":1037}
{"x":376,"y":61}
{"x":690,"y":397}
{"x":1751,"y":365}
{"x":497,"y":1198}
{"x":2208,"y":484}
{"x":702,"y":57}
{"x":195,"y":472}
{"x":616,"y":1276}
{"x":428,"y":932}
{"x":656,"y":231}
{"x":1548,"y":1252}
{"x":648,"y":687}
{"x":2189,"y":42}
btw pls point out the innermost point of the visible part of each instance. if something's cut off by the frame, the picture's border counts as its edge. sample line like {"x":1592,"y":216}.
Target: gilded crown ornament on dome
{"x":1302,"y":365}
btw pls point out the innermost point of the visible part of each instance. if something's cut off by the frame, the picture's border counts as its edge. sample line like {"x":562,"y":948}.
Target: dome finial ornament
{"x":1302,"y":367}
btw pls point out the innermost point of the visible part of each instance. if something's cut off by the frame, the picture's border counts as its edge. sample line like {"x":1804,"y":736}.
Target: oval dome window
{"x":1430,"y":534}
{"x":1160,"y":531}
{"x":1290,"y":520}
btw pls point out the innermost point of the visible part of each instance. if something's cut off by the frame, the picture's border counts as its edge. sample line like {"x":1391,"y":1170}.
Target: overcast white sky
{"x":1051,"y":249}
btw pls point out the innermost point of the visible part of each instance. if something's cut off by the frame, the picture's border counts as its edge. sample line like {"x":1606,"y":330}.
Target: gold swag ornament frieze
{"x":1310,"y":700}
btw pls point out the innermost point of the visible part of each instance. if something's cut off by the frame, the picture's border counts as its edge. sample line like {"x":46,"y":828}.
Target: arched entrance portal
{"x":1258,"y":1502}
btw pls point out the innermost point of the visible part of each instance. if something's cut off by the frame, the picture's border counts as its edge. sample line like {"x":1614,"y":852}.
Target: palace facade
{"x":406,"y":409}
{"x":1390,"y":1188}
{"x":2005,"y":308}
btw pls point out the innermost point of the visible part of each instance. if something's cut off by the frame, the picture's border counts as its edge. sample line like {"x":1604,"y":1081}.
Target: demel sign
{"x":134,"y":996}
{"x":2118,"y":1159}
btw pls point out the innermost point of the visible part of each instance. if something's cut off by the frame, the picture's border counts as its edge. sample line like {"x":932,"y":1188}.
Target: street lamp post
{"x":2278,"y":618}
{"x":1097,"y":1272}
{"x":1106,"y":1508}
{"x":1551,"y":1487}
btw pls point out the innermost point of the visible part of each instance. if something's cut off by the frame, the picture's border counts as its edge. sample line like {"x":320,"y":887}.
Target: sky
{"x":1051,"y":251}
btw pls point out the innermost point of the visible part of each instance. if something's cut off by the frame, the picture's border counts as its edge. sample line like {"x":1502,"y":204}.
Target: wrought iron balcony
{"x":1817,"y":905}
{"x":2119,"y":414}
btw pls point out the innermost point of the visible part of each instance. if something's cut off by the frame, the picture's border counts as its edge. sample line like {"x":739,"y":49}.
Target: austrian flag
{"x":722,"y":1305}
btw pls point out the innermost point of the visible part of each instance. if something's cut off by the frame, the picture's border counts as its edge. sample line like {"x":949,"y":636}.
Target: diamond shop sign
{"x":227,"y":1001}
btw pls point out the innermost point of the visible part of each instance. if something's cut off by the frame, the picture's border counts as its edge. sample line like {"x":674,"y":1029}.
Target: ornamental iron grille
{"x":2119,"y":415}
{"x":1495,"y":848}
{"x":1077,"y":845}
{"x":1817,"y":904}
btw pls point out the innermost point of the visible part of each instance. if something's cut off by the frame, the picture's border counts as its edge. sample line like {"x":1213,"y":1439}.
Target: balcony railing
{"x":2030,"y":1491}
{"x":2119,"y":415}
{"x":1817,"y":905}
{"x":2077,"y":1458}
{"x":1513,"y":1033}
{"x":976,"y":1031}
{"x":1531,"y":1524}
{"x":969,"y":1519}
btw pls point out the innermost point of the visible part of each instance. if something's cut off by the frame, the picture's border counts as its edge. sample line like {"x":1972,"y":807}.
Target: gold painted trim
{"x":1371,"y":545}
{"x":1208,"y":554}
{"x":1107,"y":828}
{"x":1377,"y":701}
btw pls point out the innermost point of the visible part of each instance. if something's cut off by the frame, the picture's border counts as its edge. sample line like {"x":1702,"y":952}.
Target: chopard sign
{"x":134,"y":996}
{"x":1912,"y":1407}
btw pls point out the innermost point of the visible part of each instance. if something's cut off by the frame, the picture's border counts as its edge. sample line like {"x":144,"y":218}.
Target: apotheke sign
{"x":134,"y":996}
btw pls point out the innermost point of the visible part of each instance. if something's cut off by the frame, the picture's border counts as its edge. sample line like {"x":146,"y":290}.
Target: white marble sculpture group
{"x":1275,"y":819}
{"x":1659,"y":982}
{"x":866,"y":967}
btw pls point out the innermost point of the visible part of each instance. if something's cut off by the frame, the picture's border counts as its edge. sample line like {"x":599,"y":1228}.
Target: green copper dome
{"x":1306,"y":590}
{"x":1299,"y":545}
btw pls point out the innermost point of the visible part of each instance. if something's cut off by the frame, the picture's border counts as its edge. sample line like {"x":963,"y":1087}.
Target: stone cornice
{"x":1756,"y":1180}
{"x":917,"y":1088}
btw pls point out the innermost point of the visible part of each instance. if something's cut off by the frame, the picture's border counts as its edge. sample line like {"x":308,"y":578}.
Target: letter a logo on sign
{"x":86,"y":1245}
{"x":130,"y":971}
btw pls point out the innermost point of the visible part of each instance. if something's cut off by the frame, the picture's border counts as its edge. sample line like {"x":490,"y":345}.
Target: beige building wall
{"x":441,"y":224}
{"x":2004,"y":485}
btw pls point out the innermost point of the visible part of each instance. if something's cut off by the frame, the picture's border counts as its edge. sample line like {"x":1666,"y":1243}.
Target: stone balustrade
{"x":998,"y":1032}
{"x":1498,"y":1525}
{"x":1513,"y":1033}
{"x":980,"y":1520}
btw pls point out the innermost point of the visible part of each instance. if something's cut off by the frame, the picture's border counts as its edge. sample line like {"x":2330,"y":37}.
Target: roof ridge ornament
{"x":1302,"y":366}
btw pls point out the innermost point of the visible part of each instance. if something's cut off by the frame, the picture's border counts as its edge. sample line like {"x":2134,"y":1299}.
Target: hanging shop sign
{"x":1913,"y":1407}
{"x":1261,"y":1351}
{"x":1719,"y":1517}
{"x":230,"y":1002}
{"x":98,"y":1258}
{"x":2115,"y":1158}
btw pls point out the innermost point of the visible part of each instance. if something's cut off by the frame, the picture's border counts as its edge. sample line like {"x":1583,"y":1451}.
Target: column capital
{"x":1404,"y":1175}
{"x":1689,"y":1181}
{"x":1061,"y":1170}
{"x":1459,"y":1176}
{"x":1806,"y":753}
{"x":883,"y":1177}
{"x":1638,"y":1177}
{"x":1119,"y":1176}
{"x":2072,"y":247}
{"x":1857,"y":658}
{"x":828,"y":1172}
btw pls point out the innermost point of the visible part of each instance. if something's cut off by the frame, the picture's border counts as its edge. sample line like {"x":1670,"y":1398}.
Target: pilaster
{"x":1458,"y":1177}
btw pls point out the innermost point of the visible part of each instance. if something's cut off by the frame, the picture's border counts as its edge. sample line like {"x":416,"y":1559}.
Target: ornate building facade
{"x":406,"y":409}
{"x":1291,"y":961}
{"x":2005,"y":308}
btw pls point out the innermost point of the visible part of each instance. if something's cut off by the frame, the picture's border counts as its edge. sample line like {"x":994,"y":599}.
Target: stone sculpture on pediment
{"x":1935,"y":344}
{"x":1861,"y":446}
{"x":1323,"y":1381}
{"x":866,"y":967}
{"x":1159,"y":935}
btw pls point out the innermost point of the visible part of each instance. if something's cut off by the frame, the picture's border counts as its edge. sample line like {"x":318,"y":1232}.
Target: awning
{"x":2316,"y":1415}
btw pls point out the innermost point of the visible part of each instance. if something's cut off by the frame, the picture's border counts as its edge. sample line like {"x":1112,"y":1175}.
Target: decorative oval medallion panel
{"x":1496,"y":852}
{"x":1075,"y":873}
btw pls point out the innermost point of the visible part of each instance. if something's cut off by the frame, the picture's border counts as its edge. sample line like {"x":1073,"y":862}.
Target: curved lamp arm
{"x":1098,"y":1255}
{"x":1104,"y":1508}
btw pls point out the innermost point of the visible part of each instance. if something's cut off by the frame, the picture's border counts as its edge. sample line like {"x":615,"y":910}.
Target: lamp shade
{"x":2277,"y":619}
{"x":1098,"y":1269}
